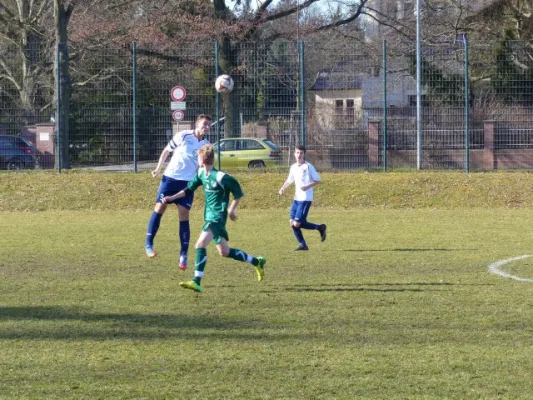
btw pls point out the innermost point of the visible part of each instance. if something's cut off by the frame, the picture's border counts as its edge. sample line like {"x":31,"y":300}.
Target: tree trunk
{"x":230,"y":101}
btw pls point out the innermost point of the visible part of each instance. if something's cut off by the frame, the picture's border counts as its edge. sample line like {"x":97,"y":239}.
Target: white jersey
{"x":184,"y":147}
{"x":303,"y":175}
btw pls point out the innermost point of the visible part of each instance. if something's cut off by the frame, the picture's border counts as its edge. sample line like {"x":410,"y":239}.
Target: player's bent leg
{"x":224,"y":249}
{"x":204,"y":239}
{"x":184,"y":235}
{"x":300,"y":238}
{"x":153,"y":227}
{"x":151,"y":231}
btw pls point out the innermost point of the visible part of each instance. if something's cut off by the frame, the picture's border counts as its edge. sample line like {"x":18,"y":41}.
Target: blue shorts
{"x":299,"y":210}
{"x":169,"y":187}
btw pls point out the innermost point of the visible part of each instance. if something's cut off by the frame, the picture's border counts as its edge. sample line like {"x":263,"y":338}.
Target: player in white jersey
{"x":181,"y":169}
{"x":304,"y":177}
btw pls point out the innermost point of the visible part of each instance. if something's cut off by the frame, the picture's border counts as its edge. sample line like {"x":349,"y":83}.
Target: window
{"x":344,"y":113}
{"x":228,"y":145}
{"x":251,"y":145}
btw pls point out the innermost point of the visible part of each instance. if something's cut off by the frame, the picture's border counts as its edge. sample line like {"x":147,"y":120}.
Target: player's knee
{"x":296,"y":224}
{"x":183,"y":213}
{"x":223,"y":252}
{"x":160,"y":208}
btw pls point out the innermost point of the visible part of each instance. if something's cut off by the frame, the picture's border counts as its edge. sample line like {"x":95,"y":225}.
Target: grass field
{"x":398,"y":303}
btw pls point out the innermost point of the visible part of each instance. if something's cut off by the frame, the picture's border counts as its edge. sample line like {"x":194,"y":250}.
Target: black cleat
{"x":322,"y":231}
{"x":300,"y":247}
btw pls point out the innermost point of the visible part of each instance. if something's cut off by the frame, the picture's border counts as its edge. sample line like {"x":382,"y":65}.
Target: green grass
{"x":398,"y":303}
{"x":42,"y":191}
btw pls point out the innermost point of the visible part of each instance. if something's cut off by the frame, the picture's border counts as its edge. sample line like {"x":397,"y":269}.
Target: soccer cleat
{"x":322,"y":231}
{"x":183,"y":263}
{"x":150,"y":252}
{"x":260,"y":269}
{"x":300,"y":247}
{"x":192,"y":285}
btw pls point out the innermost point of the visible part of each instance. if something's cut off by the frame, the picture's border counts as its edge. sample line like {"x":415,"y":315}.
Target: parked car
{"x":16,"y":153}
{"x":247,"y":152}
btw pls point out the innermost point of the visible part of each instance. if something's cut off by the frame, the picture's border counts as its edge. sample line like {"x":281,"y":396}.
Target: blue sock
{"x":299,"y":235}
{"x":185,"y":236}
{"x":309,"y":225}
{"x":153,"y":226}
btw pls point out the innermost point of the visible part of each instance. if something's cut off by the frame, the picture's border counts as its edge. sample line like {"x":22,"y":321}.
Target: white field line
{"x":495,"y":269}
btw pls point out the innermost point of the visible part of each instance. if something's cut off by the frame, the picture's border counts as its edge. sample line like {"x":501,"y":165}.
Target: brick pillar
{"x":489,"y":161}
{"x":373,"y":143}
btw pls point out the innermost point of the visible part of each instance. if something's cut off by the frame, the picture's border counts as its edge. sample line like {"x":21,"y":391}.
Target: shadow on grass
{"x":376,"y":287}
{"x":359,"y":288}
{"x":58,"y":323}
{"x":369,"y":250}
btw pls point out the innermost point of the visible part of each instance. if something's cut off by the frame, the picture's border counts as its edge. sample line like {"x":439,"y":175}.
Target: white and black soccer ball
{"x":224,"y":84}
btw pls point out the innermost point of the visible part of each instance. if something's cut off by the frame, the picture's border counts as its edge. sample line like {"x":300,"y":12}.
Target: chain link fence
{"x":116,"y":111}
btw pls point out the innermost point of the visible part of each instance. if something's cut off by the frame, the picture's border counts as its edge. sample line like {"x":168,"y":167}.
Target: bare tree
{"x":24,"y":55}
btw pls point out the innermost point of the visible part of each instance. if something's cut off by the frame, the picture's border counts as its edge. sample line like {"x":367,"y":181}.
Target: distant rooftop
{"x":328,"y":79}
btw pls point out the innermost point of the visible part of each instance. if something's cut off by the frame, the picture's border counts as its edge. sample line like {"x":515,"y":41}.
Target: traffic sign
{"x":177,"y":105}
{"x":178,"y":115}
{"x":178,"y":93}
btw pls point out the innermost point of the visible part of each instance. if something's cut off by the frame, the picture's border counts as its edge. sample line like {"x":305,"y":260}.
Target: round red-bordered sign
{"x":178,"y":93}
{"x":178,"y":115}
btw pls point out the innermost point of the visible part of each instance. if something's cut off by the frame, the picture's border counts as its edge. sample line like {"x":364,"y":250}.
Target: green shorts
{"x":219,"y":231}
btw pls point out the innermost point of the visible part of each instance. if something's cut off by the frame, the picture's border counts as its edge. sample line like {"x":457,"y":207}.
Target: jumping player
{"x":180,"y":170}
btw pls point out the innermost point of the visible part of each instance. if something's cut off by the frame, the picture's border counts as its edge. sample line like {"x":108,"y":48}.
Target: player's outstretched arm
{"x":162,"y":159}
{"x":170,"y":199}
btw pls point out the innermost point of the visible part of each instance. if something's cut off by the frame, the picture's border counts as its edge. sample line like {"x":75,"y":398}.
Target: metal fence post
{"x":134,"y":54}
{"x":302,"y":91}
{"x":418,"y":89}
{"x":467,"y":108}
{"x":58,"y":108}
{"x":384,"y":105}
{"x":217,"y":102}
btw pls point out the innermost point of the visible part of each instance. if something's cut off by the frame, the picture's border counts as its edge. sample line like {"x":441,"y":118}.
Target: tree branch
{"x":345,"y":21}
{"x":272,"y":17}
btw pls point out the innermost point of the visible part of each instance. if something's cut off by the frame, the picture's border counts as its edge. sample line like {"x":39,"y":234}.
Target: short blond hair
{"x":204,"y":116}
{"x":207,"y":153}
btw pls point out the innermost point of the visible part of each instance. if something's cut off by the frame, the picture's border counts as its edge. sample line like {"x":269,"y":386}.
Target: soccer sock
{"x":153,"y":226}
{"x":309,"y":225}
{"x":185,"y":235}
{"x":199,"y":264}
{"x":299,"y":235}
{"x":240,"y":255}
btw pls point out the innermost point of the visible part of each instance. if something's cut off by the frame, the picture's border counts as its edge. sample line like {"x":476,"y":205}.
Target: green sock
{"x":240,"y":255}
{"x":199,"y":264}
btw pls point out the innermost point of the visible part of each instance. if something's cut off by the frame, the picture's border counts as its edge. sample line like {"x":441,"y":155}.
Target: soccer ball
{"x":224,"y":84}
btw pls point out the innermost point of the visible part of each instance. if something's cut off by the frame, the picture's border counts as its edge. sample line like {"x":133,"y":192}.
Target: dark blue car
{"x":16,"y":153}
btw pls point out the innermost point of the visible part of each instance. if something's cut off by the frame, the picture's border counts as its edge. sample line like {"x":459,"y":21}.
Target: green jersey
{"x":217,"y":188}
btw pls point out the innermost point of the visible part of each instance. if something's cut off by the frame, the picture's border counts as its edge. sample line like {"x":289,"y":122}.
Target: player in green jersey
{"x":217,"y":189}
